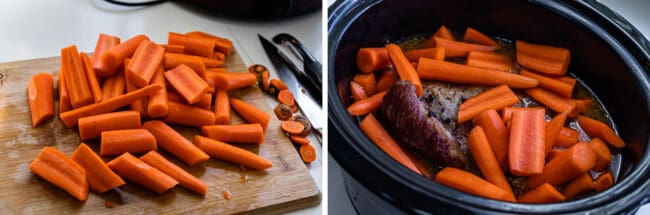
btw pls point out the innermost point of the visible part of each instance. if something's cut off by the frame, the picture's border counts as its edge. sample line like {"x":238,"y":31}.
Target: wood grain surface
{"x":284,"y":187}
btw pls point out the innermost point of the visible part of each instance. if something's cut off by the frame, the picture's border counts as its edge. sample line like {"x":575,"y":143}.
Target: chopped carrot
{"x":250,"y":113}
{"x":132,"y":168}
{"x":299,"y":140}
{"x":64,"y":98}
{"x":442,"y":32}
{"x":113,"y":86}
{"x":378,"y":135}
{"x":506,"y":113}
{"x":40,"y":95}
{"x":578,"y":186}
{"x":221,"y":107}
{"x":307,"y":153}
{"x":603,"y":154}
{"x":469,"y":183}
{"x":595,"y":128}
{"x":184,"y":178}
{"x":604,"y":181}
{"x":144,"y":63}
{"x":368,"y":105}
{"x":219,"y":55}
{"x":553,"y":101}
{"x":114,"y":57}
{"x":542,"y":58}
{"x":187,"y":83}
{"x":438,"y":70}
{"x":305,"y":123}
{"x":386,"y":80}
{"x":283,"y":112}
{"x":527,"y":149}
{"x":490,"y":60}
{"x":134,"y":141}
{"x":139,"y":105}
{"x":100,"y":177}
{"x":495,"y":98}
{"x":278,"y":84}
{"x":545,"y":193}
{"x":357,"y":91}
{"x":55,"y":167}
{"x":485,"y":159}
{"x":75,"y":77}
{"x":171,"y":141}
{"x":104,"y":43}
{"x":286,"y":97}
{"x":367,"y":82}
{"x":211,"y":63}
{"x":404,"y":69}
{"x":172,"y":60}
{"x":553,"y":129}
{"x":157,"y":106}
{"x":242,"y":133}
{"x":566,"y":166}
{"x":265,"y":80}
{"x":432,"y":53}
{"x":583,"y":104}
{"x":223,"y":151}
{"x":566,"y":138}
{"x":182,"y":114}
{"x":554,"y":153}
{"x":372,"y":59}
{"x":460,"y":49}
{"x":221,"y":45}
{"x":474,"y":36}
{"x":553,"y":84}
{"x":195,"y":45}
{"x":230,"y":80}
{"x":204,"y":103}
{"x":93,"y":83}
{"x":178,"y":49}
{"x":291,"y":127}
{"x":496,"y":133}
{"x":91,"y":127}
{"x":210,"y":75}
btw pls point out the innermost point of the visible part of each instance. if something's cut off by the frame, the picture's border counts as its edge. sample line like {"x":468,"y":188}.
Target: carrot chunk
{"x":545,"y":193}
{"x":553,"y":101}
{"x":40,"y":95}
{"x":93,"y":83}
{"x":567,"y":137}
{"x":604,"y":181}
{"x":223,"y":151}
{"x":495,"y":98}
{"x":221,"y":107}
{"x":157,"y":106}
{"x":134,"y":141}
{"x":527,"y":149}
{"x":187,"y":83}
{"x":578,"y":186}
{"x":404,"y":68}
{"x":242,"y":133}
{"x":184,"y":178}
{"x":229,"y":80}
{"x":75,"y":77}
{"x":91,"y":127}
{"x":432,"y":53}
{"x":171,"y":141}
{"x":603,"y":154}
{"x":104,"y":43}
{"x":595,"y":128}
{"x":490,"y":60}
{"x":182,"y":114}
{"x":372,"y":59}
{"x":542,"y":58}
{"x":488,"y":164}
{"x":195,"y":45}
{"x":566,"y":166}
{"x":378,"y":135}
{"x":496,"y":133}
{"x":438,"y":70}
{"x":250,"y":113}
{"x":100,"y":177}
{"x":55,"y":167}
{"x":114,"y":57}
{"x":132,"y":168}
{"x":467,"y":182}
{"x":474,"y":36}
{"x":368,"y":105}
{"x":460,"y":49}
{"x":144,"y":63}
{"x":553,"y":129}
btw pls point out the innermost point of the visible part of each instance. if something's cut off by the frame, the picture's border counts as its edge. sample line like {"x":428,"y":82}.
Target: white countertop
{"x":38,"y":29}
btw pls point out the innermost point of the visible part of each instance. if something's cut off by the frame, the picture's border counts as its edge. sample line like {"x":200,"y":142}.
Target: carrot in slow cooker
{"x":404,"y":69}
{"x":196,"y":45}
{"x":291,"y":127}
{"x":113,"y":86}
{"x":250,"y":113}
{"x":433,"y":53}
{"x":128,"y":166}
{"x":545,"y":193}
{"x":474,"y":36}
{"x":527,"y":150}
{"x":460,"y":49}
{"x":70,"y":118}
{"x":184,"y":178}
{"x":367,"y":81}
{"x":554,"y":153}
{"x":595,"y":128}
{"x":221,"y":107}
{"x":299,"y":140}
{"x":93,"y":83}
{"x":553,"y":129}
{"x":187,"y":83}
{"x":442,"y":32}
{"x":183,"y":114}
{"x":469,"y":183}
{"x":357,"y":91}
{"x":100,"y":177}
{"x":307,"y":153}
{"x":506,"y":113}
{"x":603,"y":154}
{"x":178,"y":49}
{"x":134,"y":141}
{"x":52,"y":165}
{"x":553,"y":101}
{"x":372,"y":59}
{"x":368,"y":105}
{"x":562,"y":87}
{"x":75,"y":77}
{"x":241,"y":133}
{"x":223,"y":151}
{"x":490,"y":60}
{"x":438,"y":70}
{"x":496,"y":133}
{"x":286,"y":97}
{"x":545,"y":59}
{"x":146,"y":59}
{"x":378,"y":135}
{"x":386,"y":80}
{"x":171,"y":141}
{"x":91,"y":127}
{"x":114,"y":57}
{"x":582,"y":104}
{"x":40,"y":95}
{"x":104,"y":43}
{"x":495,"y":98}
{"x":485,"y":159}
{"x":578,"y":186}
{"x":604,"y":181}
{"x":566,"y":166}
{"x":173,"y":60}
{"x":221,"y":45}
{"x":64,"y":98}
{"x":157,"y":106}
{"x":567,"y":137}
{"x":231,"y":80}
{"x":139,"y":105}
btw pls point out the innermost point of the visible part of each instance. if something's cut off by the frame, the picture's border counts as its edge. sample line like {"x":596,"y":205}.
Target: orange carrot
{"x":187,"y":83}
{"x":442,"y":32}
{"x":171,"y":141}
{"x":495,"y":98}
{"x":603,"y":154}
{"x":490,"y":60}
{"x":545,"y":193}
{"x":178,"y":49}
{"x":357,"y":91}
{"x":230,"y":80}
{"x":91,"y":127}
{"x":386,"y":80}
{"x":64,"y":98}
{"x":583,"y":104}
{"x":134,"y":141}
{"x":469,"y":183}
{"x":145,"y":61}
{"x":113,"y":86}
{"x":93,"y":83}
{"x":432,"y":53}
{"x":554,"y":153}
{"x":195,"y":45}
{"x":368,"y":105}
{"x":372,"y":59}
{"x":553,"y":101}
{"x":553,"y":129}
{"x":475,"y":36}
{"x":211,"y":63}
{"x":496,"y":133}
{"x":598,"y":129}
{"x":278,"y":84}
{"x":172,"y":60}
{"x":485,"y":159}
{"x":542,"y":58}
{"x":210,"y":75}
{"x":223,"y":151}
{"x":221,"y":44}
{"x":286,"y":97}
{"x":566,"y":138}
{"x":578,"y":186}
{"x":367,"y":82}
{"x":242,"y":133}
{"x":55,"y":167}
{"x":104,"y":43}
{"x":506,"y":113}
{"x":283,"y":112}
{"x":307,"y":153}
{"x":70,"y":118}
{"x":438,"y":70}
{"x":291,"y":127}
{"x":219,"y":55}
{"x":404,"y":69}
{"x":378,"y":135}
{"x":566,"y":166}
{"x":460,"y":49}
{"x":75,"y":77}
{"x":139,"y":105}
{"x":132,"y":168}
{"x":157,"y":105}
{"x":604,"y":181}
{"x":205,"y":102}
{"x":527,"y":149}
{"x":250,"y":113}
{"x":99,"y":176}
{"x":184,"y":178}
{"x":115,"y":56}
{"x":182,"y":114}
{"x":221,"y":107}
{"x":299,"y":140}
{"x":552,"y":84}
{"x":40,"y":95}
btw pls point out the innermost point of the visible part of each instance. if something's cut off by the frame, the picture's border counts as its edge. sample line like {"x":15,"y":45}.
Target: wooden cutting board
{"x":284,"y":187}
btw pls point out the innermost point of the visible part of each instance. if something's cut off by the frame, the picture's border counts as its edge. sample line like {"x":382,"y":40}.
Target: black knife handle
{"x":313,"y":68}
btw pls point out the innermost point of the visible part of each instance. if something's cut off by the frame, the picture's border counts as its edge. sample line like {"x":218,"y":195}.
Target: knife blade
{"x":308,"y":99}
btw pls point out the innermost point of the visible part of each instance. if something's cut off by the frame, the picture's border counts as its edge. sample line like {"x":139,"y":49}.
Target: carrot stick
{"x":604,"y":181}
{"x":134,"y":141}
{"x":250,"y":113}
{"x":211,"y":63}
{"x":182,"y":114}
{"x":527,"y":149}
{"x":242,"y":133}
{"x":172,"y":60}
{"x":485,"y":159}
{"x":386,"y":80}
{"x":56,"y":168}
{"x":566,"y":138}
{"x":368,"y":105}
{"x":552,"y":84}
{"x":378,"y":135}
{"x":553,"y":101}
{"x":603,"y":154}
{"x":404,"y":69}
{"x":460,"y":49}
{"x":219,"y":55}
{"x":357,"y":91}
{"x":307,"y":153}
{"x":178,"y":49}
{"x":115,"y":56}
{"x":145,"y":61}
{"x":70,"y":118}
{"x":187,"y":83}
{"x":469,"y":183}
{"x":229,"y":81}
{"x":495,"y":98}
{"x":462,"y":74}
{"x":278,"y":84}
{"x":93,"y":83}
{"x":223,"y":151}
{"x":542,"y":58}
{"x":184,"y":178}
{"x":221,"y":44}
{"x":157,"y":106}
{"x":132,"y":168}
{"x":475,"y":36}
{"x":490,"y":60}
{"x":582,"y":104}
{"x":299,"y":140}
{"x":367,"y":82}
{"x":578,"y":186}
{"x":442,"y":32}
{"x":506,"y":113}
{"x":171,"y":141}
{"x":496,"y":133}
{"x":99,"y":176}
{"x":113,"y":86}
{"x":195,"y":45}
{"x":104,"y":43}
{"x":432,"y":53}
{"x":598,"y":129}
{"x":91,"y":127}
{"x":75,"y":77}
{"x":221,"y":107}
{"x":286,"y":97}
{"x":291,"y":127}
{"x":210,"y":76}
{"x":566,"y":166}
{"x":139,"y":105}
{"x":372,"y":59}
{"x":64,"y":98}
{"x":545,"y":193}
{"x":553,"y":129}
{"x":40,"y":95}
{"x":172,"y":96}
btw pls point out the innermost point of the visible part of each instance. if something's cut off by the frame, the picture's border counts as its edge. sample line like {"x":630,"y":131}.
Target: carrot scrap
{"x":291,"y":127}
{"x":286,"y":97}
{"x":299,"y":140}
{"x":40,"y":95}
{"x":283,"y":112}
{"x":307,"y":153}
